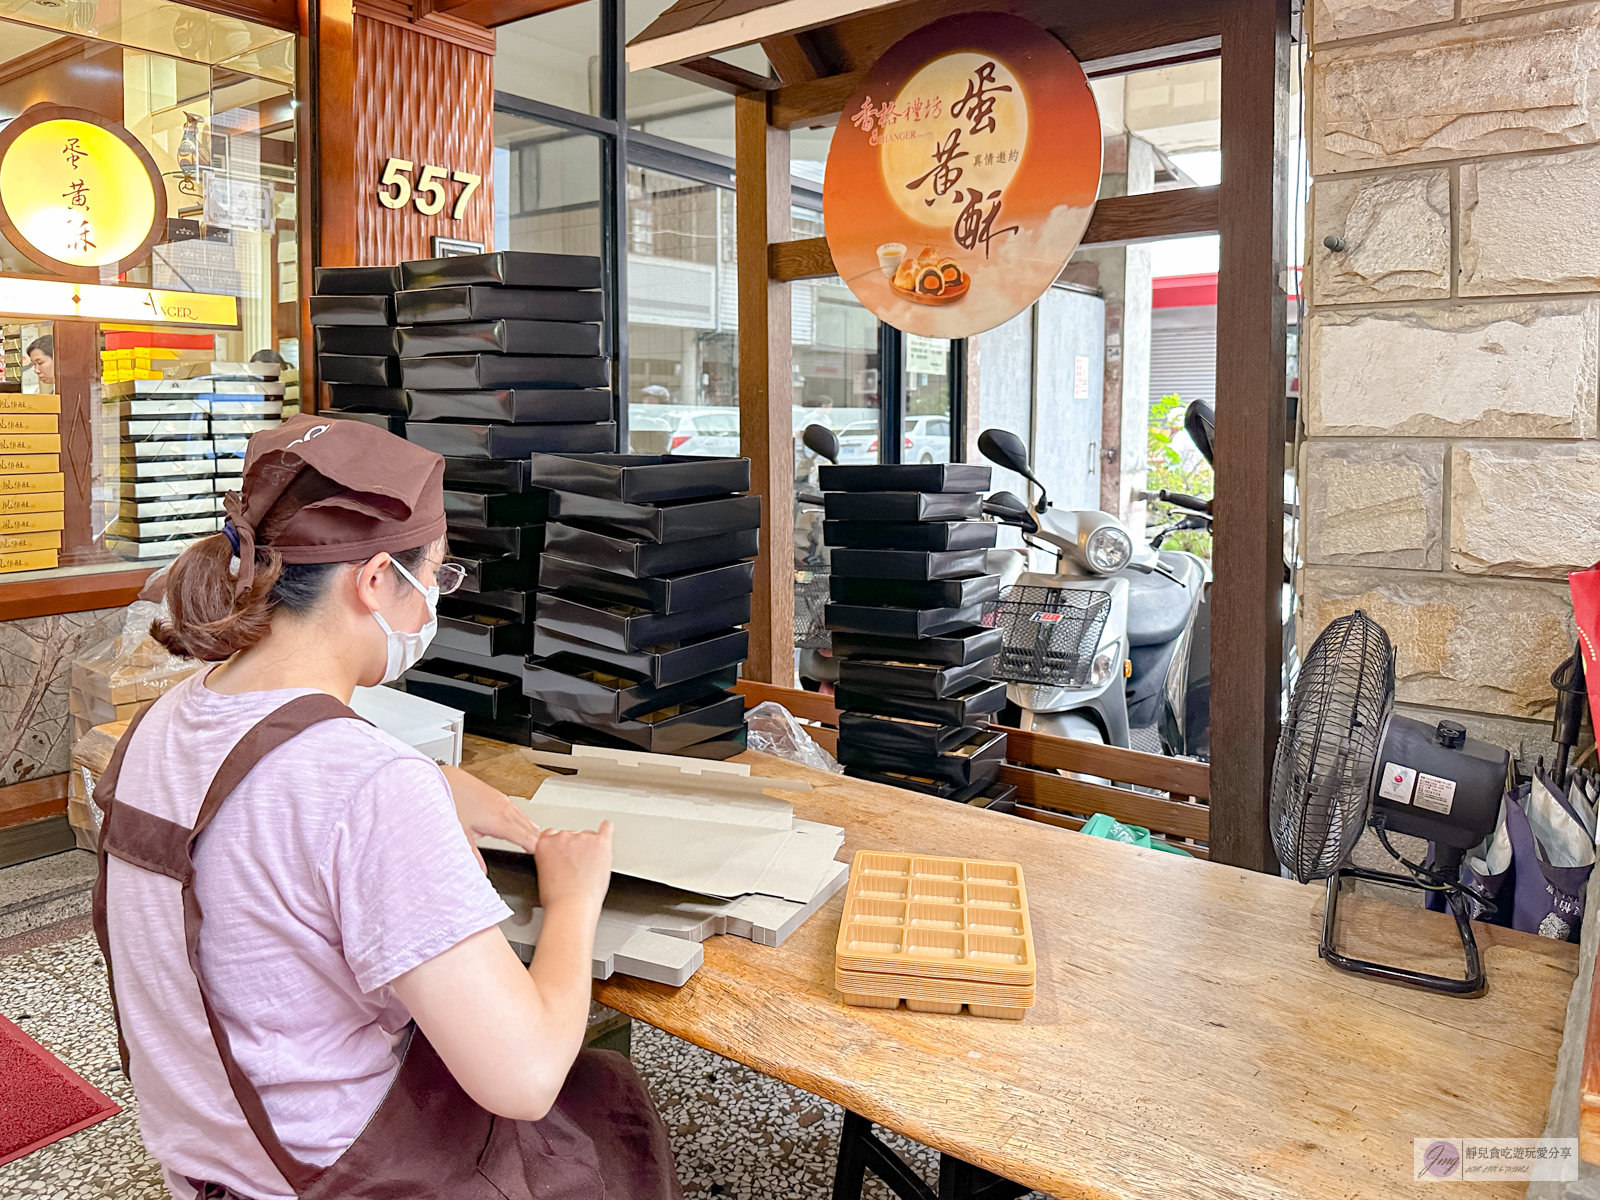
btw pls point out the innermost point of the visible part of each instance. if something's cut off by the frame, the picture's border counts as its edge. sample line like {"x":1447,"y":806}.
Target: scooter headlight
{"x":1104,"y":663}
{"x":1108,"y":549}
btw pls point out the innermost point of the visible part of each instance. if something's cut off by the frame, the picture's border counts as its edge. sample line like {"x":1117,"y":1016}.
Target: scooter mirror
{"x":822,"y":442}
{"x":1199,"y":421}
{"x":1005,"y":505}
{"x":1006,"y":449}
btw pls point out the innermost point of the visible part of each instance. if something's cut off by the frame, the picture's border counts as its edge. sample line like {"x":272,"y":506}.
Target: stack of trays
{"x":644,"y":581}
{"x":31,"y":482}
{"x":937,"y":933}
{"x":358,"y":346}
{"x":158,"y":436}
{"x":241,"y":398}
{"x":909,"y":589}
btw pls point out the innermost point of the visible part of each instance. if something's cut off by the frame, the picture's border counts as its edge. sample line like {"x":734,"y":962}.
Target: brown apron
{"x":603,"y":1138}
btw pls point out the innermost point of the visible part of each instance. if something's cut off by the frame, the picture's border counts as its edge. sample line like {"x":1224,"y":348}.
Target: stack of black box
{"x":909,"y":589}
{"x":501,"y":356}
{"x":358,"y":346}
{"x":644,"y":580}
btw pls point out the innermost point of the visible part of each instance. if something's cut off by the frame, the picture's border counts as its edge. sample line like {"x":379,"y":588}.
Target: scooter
{"x":1104,"y":649}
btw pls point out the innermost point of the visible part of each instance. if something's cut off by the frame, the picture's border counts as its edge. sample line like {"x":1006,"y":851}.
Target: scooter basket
{"x":1050,"y":633}
{"x":810,"y":610}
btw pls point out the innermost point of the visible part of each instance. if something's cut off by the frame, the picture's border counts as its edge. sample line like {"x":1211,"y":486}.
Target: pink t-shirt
{"x":337,"y":866}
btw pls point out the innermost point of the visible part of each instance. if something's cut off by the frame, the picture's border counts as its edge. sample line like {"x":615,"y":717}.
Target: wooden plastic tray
{"x":936,"y":918}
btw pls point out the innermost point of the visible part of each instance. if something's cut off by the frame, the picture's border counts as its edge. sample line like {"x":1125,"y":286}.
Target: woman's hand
{"x":574,"y":869}
{"x":485,"y":812}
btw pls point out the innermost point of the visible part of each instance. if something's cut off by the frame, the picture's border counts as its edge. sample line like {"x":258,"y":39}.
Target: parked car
{"x":927,"y":440}
{"x":858,"y":443}
{"x":712,"y":433}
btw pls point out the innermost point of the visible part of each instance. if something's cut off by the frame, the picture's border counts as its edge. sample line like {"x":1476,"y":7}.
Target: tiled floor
{"x":44,"y":891}
{"x":736,"y":1133}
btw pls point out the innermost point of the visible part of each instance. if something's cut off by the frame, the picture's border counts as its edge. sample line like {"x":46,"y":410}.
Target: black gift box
{"x":932,"y":535}
{"x":624,"y":627}
{"x":976,"y":758}
{"x":458,"y":372}
{"x":954,"y":648}
{"x":505,"y":268}
{"x":669,"y":521}
{"x":905,"y":477}
{"x":463,"y":507}
{"x":460,"y":685}
{"x":642,"y":478}
{"x":352,"y":397}
{"x":514,"y":604}
{"x":662,"y":595}
{"x":384,"y":421}
{"x":486,"y":303}
{"x":364,"y":369}
{"x":354,"y":281}
{"x":487,"y":474}
{"x":902,"y":506}
{"x":960,"y":793}
{"x":907,"y":564}
{"x":482,"y":633}
{"x":900,"y":622}
{"x":658,"y":665}
{"x":501,"y":337}
{"x":350,"y":310}
{"x":640,"y":559}
{"x":898,"y":736}
{"x":908,"y":593}
{"x":579,"y":689}
{"x":358,"y":339}
{"x":914,"y":679}
{"x":976,"y":704}
{"x":509,"y":441}
{"x":490,"y":571}
{"x":559,"y":739}
{"x":519,"y":541}
{"x":530,"y":406}
{"x":506,"y":666}
{"x":665,"y":731}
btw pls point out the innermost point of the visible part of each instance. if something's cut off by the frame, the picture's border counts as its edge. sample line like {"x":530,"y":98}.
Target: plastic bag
{"x":1103,"y":826}
{"x":773,"y":730}
{"x":124,"y":670}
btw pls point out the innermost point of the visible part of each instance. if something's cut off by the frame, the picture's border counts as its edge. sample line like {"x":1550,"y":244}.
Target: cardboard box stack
{"x":91,"y":755}
{"x":502,"y":356}
{"x":357,"y":344}
{"x":124,"y":671}
{"x":32,"y":497}
{"x":142,"y":352}
{"x":909,"y":589}
{"x":643,"y":584}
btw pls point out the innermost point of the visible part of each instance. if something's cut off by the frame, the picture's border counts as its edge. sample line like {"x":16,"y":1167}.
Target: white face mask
{"x":406,"y":648}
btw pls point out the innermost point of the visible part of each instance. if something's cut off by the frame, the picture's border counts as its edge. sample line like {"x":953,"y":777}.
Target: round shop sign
{"x":78,"y":192}
{"x":962,"y":175}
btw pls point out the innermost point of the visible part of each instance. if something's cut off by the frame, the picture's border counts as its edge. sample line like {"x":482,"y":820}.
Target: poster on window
{"x":962,"y":175}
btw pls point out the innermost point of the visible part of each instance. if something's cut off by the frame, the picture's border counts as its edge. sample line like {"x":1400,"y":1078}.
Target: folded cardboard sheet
{"x":698,"y":825}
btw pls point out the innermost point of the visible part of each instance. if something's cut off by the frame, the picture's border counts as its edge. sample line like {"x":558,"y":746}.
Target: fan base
{"x":1472,"y":985}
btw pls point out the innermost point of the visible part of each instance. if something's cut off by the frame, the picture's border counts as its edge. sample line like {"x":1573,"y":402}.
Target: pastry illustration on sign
{"x":962,"y":175}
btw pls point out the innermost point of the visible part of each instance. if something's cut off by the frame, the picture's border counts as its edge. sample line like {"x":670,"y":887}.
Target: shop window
{"x":178,"y":268}
{"x":547,"y":187}
{"x":553,"y":58}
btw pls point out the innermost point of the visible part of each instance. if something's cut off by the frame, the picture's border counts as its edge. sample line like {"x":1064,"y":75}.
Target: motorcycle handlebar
{"x":1177,"y":500}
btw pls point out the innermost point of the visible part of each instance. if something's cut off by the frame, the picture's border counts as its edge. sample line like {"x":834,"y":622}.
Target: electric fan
{"x":1346,"y":760}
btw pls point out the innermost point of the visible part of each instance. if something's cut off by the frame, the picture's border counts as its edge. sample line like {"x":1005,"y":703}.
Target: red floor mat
{"x":41,"y":1100}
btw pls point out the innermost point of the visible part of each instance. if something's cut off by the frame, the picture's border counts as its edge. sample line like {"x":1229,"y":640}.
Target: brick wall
{"x":1452,"y":471}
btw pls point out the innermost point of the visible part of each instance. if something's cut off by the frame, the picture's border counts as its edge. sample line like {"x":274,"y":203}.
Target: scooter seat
{"x":1158,"y":609}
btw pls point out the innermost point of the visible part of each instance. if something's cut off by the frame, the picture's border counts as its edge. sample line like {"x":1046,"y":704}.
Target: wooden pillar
{"x":766,"y":391}
{"x":77,"y":359}
{"x":1247,"y":622}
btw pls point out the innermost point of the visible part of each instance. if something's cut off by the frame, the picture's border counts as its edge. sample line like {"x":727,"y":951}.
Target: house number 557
{"x":429,"y":195}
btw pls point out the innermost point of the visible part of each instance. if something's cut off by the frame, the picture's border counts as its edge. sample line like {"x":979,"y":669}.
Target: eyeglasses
{"x":449,"y":577}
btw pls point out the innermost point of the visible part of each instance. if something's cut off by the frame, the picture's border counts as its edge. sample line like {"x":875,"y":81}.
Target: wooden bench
{"x":1180,"y":815}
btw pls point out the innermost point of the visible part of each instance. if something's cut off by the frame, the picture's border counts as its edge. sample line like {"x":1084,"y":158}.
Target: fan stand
{"x":1472,"y":985}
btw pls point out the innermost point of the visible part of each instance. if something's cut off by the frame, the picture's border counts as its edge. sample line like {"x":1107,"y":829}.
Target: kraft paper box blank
{"x":698,"y":825}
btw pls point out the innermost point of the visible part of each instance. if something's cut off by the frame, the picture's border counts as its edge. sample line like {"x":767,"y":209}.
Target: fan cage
{"x":1050,"y":633}
{"x":810,"y":610}
{"x":1322,"y":777}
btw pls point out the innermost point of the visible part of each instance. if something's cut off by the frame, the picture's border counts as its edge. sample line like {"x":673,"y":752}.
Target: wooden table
{"x":1187,"y":1041}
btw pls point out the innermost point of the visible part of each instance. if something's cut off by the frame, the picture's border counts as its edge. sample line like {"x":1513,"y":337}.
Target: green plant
{"x":1170,"y":469}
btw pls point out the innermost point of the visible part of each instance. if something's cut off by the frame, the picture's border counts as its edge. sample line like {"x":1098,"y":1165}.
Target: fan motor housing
{"x":1428,"y":789}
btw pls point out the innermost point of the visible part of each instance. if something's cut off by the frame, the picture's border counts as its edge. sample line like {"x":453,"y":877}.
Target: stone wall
{"x":1452,"y":358}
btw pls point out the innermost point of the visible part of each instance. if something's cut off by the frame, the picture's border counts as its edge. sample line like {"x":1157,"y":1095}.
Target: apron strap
{"x":164,"y":847}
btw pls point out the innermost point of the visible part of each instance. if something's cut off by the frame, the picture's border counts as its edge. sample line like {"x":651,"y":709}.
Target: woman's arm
{"x":510,"y":1035}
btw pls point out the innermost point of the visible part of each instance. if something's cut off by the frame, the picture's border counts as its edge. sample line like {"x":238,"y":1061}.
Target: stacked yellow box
{"x":937,"y":933}
{"x":32,"y":508}
{"x":91,"y":754}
